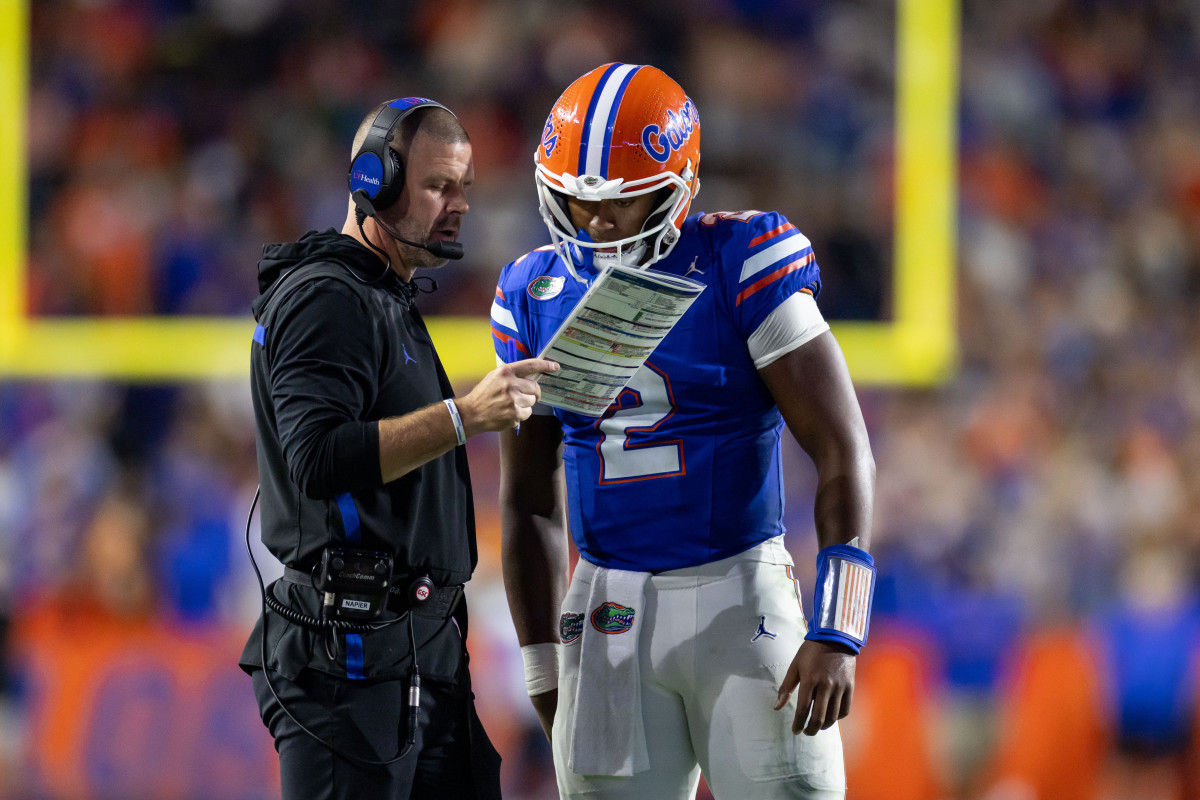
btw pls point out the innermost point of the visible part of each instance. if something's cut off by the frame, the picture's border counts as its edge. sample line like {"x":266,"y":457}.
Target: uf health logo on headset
{"x":659,"y":143}
{"x":367,"y":171}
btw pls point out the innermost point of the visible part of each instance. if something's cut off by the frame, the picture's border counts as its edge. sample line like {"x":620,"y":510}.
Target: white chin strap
{"x":623,"y":256}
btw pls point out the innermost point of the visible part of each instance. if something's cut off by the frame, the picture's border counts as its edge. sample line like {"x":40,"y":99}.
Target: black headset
{"x":376,"y":170}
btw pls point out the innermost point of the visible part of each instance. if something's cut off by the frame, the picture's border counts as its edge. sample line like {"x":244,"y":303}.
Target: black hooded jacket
{"x":335,"y":353}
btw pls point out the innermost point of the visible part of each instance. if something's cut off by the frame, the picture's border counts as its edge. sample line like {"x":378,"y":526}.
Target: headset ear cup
{"x":366,"y":174}
{"x":397,"y":168}
{"x":395,"y":183}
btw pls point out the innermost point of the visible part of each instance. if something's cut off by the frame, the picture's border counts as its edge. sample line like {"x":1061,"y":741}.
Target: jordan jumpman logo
{"x":693,"y":268}
{"x":762,"y":630}
{"x":407,"y":357}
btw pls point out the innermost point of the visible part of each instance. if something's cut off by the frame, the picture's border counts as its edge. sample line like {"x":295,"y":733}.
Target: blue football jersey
{"x":684,"y":467}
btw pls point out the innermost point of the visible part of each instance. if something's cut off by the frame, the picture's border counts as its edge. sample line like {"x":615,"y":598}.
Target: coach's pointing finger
{"x":533,"y":366}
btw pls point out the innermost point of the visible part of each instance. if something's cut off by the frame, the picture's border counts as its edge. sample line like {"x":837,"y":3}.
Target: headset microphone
{"x":451,"y":250}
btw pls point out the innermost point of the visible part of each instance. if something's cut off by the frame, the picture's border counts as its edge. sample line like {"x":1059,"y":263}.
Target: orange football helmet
{"x":618,"y":131}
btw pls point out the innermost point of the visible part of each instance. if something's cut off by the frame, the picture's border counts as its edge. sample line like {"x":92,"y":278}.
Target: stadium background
{"x":1038,"y":513}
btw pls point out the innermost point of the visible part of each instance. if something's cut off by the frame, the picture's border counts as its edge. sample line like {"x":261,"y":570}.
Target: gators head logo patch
{"x":570,"y":627}
{"x":546,"y":286}
{"x":612,"y":618}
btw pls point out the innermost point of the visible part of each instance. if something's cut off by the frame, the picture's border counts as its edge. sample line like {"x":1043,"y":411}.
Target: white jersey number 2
{"x":625,"y":462}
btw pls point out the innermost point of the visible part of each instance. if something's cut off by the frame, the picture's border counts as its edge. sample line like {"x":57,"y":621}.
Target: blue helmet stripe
{"x":581,"y":168}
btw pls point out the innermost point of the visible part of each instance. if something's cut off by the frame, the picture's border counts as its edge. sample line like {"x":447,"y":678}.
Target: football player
{"x":681,"y":644}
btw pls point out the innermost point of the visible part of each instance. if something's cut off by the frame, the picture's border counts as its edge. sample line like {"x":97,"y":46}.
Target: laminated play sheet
{"x":610,"y":334}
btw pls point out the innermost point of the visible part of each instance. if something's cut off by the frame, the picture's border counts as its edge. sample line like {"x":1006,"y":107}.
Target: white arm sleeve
{"x":794,"y":322}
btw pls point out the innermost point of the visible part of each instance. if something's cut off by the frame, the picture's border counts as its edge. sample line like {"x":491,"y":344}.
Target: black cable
{"x":414,"y":689}
{"x":361,"y":216}
{"x":419,"y":282}
{"x":319,"y":623}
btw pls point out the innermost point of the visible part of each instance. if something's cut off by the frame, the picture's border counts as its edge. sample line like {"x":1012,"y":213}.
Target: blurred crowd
{"x":1053,"y":482}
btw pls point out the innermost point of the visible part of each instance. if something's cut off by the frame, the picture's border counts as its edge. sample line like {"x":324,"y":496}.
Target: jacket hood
{"x":327,"y":245}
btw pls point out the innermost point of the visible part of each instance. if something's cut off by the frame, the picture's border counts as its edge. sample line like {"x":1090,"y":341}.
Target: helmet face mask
{"x":619,"y":131}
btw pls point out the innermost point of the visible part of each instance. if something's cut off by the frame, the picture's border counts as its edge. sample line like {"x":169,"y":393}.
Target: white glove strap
{"x":541,"y":667}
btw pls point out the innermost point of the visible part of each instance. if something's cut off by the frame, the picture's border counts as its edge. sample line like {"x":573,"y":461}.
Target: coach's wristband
{"x":541,"y":667}
{"x":845,"y":591}
{"x":456,"y":419}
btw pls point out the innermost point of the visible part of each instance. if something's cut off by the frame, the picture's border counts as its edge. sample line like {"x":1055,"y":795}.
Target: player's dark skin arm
{"x":812,"y":387}
{"x":533,"y":537}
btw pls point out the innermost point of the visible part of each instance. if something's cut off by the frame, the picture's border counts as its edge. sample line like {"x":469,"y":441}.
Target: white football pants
{"x":715,"y":643}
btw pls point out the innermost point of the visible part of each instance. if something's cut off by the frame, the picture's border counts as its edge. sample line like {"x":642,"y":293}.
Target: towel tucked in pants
{"x":713,"y":645}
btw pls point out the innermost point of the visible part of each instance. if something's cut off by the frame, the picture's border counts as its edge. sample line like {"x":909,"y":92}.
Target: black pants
{"x":370,"y":721}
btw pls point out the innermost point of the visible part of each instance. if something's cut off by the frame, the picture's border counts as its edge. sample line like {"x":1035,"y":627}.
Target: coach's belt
{"x":441,"y":602}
